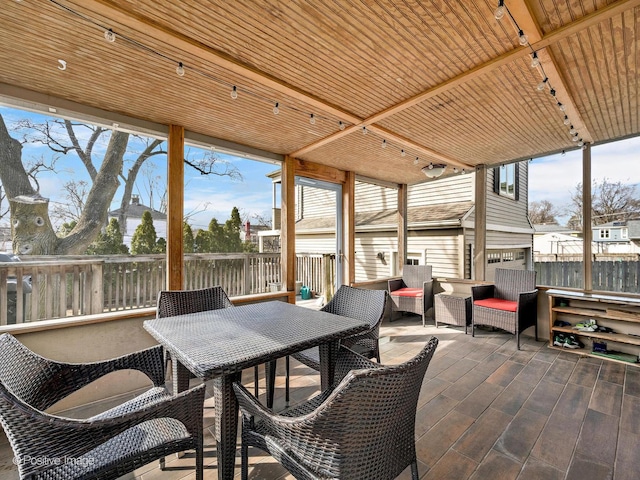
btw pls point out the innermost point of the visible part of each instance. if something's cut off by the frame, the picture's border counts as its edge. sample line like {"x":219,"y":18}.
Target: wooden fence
{"x":609,"y":276}
{"x":62,"y":286}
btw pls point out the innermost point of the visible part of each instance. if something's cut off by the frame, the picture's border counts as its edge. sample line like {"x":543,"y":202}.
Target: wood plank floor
{"x":486,"y":411}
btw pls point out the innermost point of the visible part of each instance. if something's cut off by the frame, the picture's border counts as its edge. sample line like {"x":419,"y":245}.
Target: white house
{"x":134,"y":218}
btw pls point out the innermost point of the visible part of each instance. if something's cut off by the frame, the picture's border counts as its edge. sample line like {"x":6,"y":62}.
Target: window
{"x":493,"y":257}
{"x":413,"y":261}
{"x":604,"y":233}
{"x":505,"y":180}
{"x":520,"y":255}
{"x":507,"y":256}
{"x":624,"y":233}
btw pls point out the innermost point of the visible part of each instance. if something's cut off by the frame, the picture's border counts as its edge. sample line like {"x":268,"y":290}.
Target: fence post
{"x":327,"y":277}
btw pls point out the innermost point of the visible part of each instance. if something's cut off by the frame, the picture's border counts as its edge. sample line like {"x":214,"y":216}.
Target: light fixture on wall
{"x":434,"y":171}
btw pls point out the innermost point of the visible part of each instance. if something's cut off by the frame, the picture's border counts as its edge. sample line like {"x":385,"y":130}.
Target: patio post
{"x":587,"y":234}
{"x":480,"y":224}
{"x":402,"y":227}
{"x":287,"y":228}
{"x":175,"y":207}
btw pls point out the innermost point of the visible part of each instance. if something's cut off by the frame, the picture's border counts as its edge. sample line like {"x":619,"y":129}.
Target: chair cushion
{"x":498,"y":304}
{"x":408,"y":292}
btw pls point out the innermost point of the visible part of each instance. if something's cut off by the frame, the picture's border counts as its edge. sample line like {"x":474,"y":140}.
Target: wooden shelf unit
{"x":620,"y":313}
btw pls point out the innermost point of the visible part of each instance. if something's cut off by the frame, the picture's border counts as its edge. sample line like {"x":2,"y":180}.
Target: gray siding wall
{"x":315,"y":202}
{"x":507,"y":211}
{"x":375,"y":197}
{"x":458,"y":188}
{"x":441,"y":248}
{"x":368,"y":245}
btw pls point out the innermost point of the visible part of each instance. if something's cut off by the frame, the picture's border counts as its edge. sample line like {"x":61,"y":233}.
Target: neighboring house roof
{"x":617,"y":223}
{"x":136,"y":211}
{"x":444,"y":214}
{"x":553,"y":228}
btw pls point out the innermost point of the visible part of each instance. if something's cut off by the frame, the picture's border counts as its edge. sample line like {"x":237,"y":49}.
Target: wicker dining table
{"x":220,"y":344}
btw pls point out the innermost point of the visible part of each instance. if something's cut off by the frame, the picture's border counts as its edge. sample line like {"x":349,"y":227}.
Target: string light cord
{"x":535,"y":63}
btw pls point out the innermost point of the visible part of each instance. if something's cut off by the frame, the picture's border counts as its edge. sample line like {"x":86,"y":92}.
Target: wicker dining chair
{"x":364,"y":428}
{"x":362,"y":304}
{"x":510,"y":303}
{"x":413,"y":292}
{"x":50,"y":447}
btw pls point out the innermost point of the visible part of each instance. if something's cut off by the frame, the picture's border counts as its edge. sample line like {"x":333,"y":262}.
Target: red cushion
{"x":408,"y":292}
{"x":498,"y":304}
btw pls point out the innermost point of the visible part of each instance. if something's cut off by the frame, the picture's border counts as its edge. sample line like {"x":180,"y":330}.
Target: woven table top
{"x":219,"y":342}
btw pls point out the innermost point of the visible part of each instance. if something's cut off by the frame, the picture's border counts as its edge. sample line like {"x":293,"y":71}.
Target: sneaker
{"x":600,"y":347}
{"x":588,"y":326}
{"x":559,"y":339}
{"x":561,"y":323}
{"x":571,"y":341}
{"x":604,"y":329}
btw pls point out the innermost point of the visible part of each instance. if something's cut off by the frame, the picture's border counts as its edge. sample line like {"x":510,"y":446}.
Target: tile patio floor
{"x":486,"y":411}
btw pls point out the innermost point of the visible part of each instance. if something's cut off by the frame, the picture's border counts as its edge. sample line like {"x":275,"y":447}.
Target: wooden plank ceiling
{"x":442,"y":80}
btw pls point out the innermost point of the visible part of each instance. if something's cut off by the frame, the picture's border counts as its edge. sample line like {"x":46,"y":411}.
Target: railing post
{"x":247,"y":274}
{"x":97,"y":289}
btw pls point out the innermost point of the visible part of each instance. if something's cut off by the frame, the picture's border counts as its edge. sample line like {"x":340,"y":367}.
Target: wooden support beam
{"x":403,"y":223}
{"x":288,"y":225}
{"x":175,"y":207}
{"x":480,"y":226}
{"x":349,"y":229}
{"x":587,"y":234}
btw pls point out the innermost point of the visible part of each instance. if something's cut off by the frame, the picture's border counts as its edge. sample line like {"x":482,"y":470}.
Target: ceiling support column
{"x":587,"y":233}
{"x":402,"y":227}
{"x":480,"y":224}
{"x":349,"y":228}
{"x":288,"y":226}
{"x":175,"y":207}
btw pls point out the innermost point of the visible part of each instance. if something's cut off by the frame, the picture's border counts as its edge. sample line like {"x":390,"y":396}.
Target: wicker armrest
{"x":349,"y":360}
{"x":395,"y":284}
{"x":480,"y":292}
{"x":61,"y":437}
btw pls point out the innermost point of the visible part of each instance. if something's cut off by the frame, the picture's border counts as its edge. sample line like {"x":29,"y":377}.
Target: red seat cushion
{"x":408,"y":292}
{"x":498,"y":304}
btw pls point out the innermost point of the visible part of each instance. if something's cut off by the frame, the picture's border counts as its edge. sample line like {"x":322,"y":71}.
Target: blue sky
{"x":551,"y":178}
{"x":209,"y":195}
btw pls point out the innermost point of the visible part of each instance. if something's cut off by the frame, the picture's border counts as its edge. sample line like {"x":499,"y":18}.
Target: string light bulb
{"x":384,"y":143}
{"x":415,"y":162}
{"x":566,"y":120}
{"x":563,"y":153}
{"x":234,"y":92}
{"x":522,"y":37}
{"x":364,"y":130}
{"x":580,"y":143}
{"x":402,"y":153}
{"x":276,"y":109}
{"x":312,"y":119}
{"x":535,"y":61}
{"x":575,"y":138}
{"x":561,"y":106}
{"x":109,"y":36}
{"x":341,"y":125}
{"x":180,"y":70}
{"x":572,"y":131}
{"x":542,"y":84}
{"x":499,"y":12}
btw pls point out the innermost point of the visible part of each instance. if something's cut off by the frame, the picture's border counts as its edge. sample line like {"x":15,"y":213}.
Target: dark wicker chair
{"x":413,"y":292}
{"x":362,"y":429}
{"x":106,"y":446}
{"x":361,"y":304}
{"x":510,"y":304}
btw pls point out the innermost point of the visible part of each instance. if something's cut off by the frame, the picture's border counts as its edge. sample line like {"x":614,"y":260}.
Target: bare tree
{"x":610,"y":201}
{"x":32,"y":231}
{"x":542,"y":212}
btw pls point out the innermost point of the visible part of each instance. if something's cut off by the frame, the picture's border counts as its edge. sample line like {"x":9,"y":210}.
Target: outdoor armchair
{"x":361,"y":304}
{"x":106,"y":446}
{"x":510,"y":304}
{"x":413,"y":292}
{"x":364,"y":428}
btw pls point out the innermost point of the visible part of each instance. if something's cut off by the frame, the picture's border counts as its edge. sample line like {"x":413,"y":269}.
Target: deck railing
{"x":62,"y":286}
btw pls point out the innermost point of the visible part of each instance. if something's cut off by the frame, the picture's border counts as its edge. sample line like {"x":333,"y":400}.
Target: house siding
{"x":457,"y":188}
{"x":505,"y":211}
{"x":375,"y":197}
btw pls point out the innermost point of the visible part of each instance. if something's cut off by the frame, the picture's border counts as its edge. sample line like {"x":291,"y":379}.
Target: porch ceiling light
{"x":434,"y":171}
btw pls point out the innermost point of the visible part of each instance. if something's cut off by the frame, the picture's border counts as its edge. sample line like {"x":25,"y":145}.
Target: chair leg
{"x":518,"y":339}
{"x":244,"y":459}
{"x":286,"y":380}
{"x":414,"y":470}
{"x":200,"y":462}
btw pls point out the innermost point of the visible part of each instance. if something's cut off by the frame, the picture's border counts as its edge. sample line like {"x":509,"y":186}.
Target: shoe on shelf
{"x":571,"y":341}
{"x":559,"y":339}
{"x":604,"y":329}
{"x":561,"y":323}
{"x":588,"y":326}
{"x":600,"y":347}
